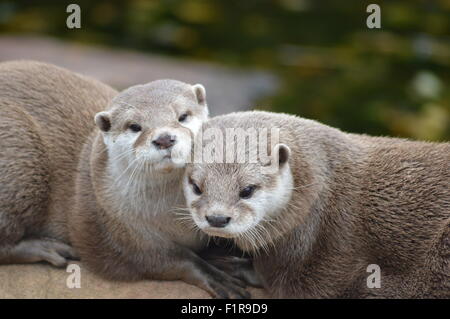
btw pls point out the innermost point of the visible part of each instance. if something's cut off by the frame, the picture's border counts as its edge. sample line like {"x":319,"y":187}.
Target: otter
{"x":46,"y":113}
{"x":85,"y":166}
{"x":333,"y":205}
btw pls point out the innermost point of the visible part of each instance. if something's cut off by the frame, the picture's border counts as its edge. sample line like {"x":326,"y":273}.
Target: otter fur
{"x":336,"y":205}
{"x":46,"y":115}
{"x":84,"y":166}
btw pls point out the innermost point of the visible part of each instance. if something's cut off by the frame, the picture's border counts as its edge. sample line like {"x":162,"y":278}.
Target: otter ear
{"x":103,"y":121}
{"x":200,"y":93}
{"x":281,"y":153}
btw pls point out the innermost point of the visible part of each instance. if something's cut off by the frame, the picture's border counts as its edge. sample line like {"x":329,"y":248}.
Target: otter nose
{"x":218,"y":221}
{"x":164,"y":141}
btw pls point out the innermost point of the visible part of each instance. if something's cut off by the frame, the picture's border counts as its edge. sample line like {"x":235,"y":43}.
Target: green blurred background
{"x":389,"y":81}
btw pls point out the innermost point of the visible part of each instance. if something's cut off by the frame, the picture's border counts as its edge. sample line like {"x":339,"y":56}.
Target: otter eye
{"x":247,"y":192}
{"x":135,"y":127}
{"x":196,"y":189}
{"x":183,"y":117}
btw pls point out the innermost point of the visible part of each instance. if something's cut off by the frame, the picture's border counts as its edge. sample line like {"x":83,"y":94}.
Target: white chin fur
{"x":166,"y":165}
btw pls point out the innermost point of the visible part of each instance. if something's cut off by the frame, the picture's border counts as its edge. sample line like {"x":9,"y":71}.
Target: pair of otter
{"x":336,"y":203}
{"x":113,"y":193}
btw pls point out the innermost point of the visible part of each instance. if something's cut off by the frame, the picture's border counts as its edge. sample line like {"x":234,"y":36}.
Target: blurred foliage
{"x":388,"y":81}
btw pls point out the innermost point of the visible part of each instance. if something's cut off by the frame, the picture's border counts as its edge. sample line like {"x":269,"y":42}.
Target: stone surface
{"x":44,"y":281}
{"x":227,"y":89}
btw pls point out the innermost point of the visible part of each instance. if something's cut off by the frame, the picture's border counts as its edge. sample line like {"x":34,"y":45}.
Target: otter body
{"x":114,"y":193}
{"x":351,"y":201}
{"x":45,"y":117}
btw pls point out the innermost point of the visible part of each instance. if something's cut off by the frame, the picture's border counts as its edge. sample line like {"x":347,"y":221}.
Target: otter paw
{"x":221,"y":285}
{"x":49,"y":250}
{"x":238,"y":267}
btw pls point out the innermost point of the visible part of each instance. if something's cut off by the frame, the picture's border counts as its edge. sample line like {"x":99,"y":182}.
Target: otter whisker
{"x":268,"y":238}
{"x":121,"y":155}
{"x":188,"y":218}
{"x":123,"y":173}
{"x":250,"y":237}
{"x":185,"y":209}
{"x":304,"y":186}
{"x":263,"y":243}
{"x":276,"y":230}
{"x":129,"y":179}
{"x":131,"y":176}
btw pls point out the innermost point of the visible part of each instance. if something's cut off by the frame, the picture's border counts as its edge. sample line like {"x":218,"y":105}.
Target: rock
{"x":45,"y":281}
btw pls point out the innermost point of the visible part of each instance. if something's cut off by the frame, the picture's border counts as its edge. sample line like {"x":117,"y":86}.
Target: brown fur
{"x":56,"y":189}
{"x":45,"y":116}
{"x":358,"y":200}
{"x":139,"y":235}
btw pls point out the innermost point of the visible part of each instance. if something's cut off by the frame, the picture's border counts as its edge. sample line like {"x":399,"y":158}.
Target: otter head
{"x":233,"y":200}
{"x":151,"y":125}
